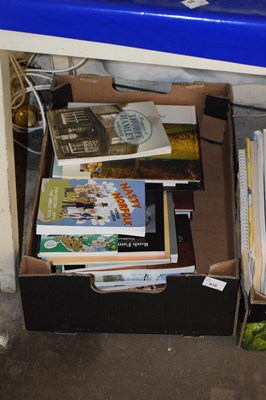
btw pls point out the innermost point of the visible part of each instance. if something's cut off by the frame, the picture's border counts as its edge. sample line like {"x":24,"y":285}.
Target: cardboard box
{"x":57,"y":302}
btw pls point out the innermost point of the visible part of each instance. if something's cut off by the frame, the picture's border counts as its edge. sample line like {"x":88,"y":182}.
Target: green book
{"x":72,"y":245}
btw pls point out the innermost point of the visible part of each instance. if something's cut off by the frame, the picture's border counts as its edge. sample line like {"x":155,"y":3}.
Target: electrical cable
{"x":57,"y":71}
{"x":27,"y":148}
{"x":24,"y":74}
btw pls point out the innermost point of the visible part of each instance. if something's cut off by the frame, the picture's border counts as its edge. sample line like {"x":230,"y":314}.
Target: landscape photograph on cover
{"x":183,"y":164}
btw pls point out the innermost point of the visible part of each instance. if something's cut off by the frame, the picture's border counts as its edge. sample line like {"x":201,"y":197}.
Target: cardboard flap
{"x":257,"y":297}
{"x":226,"y":268}
{"x":34,"y":266}
{"x":89,"y":88}
{"x":214,"y":118}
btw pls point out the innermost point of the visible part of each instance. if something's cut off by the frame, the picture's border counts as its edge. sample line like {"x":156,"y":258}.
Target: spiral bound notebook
{"x":244,"y":218}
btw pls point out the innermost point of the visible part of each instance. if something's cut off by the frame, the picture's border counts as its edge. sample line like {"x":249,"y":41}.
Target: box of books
{"x":129,"y":242}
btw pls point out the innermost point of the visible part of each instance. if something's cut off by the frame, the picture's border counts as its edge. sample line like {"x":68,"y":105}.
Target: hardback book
{"x":186,"y":253}
{"x":107,"y":132}
{"x":82,"y":245}
{"x":157,"y":246}
{"x":89,"y":206}
{"x":183,"y":166}
{"x":129,"y":276}
{"x":171,"y":228}
{"x":183,"y":202}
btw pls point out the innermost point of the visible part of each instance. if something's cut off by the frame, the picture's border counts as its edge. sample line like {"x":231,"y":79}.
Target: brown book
{"x":183,"y":202}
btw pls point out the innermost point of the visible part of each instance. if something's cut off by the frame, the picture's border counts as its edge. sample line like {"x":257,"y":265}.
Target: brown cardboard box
{"x":58,"y":302}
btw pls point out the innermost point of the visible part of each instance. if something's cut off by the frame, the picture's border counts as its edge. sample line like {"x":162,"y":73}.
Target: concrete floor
{"x":42,"y":365}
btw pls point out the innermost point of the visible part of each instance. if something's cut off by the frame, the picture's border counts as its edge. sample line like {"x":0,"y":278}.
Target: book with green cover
{"x":82,"y":245}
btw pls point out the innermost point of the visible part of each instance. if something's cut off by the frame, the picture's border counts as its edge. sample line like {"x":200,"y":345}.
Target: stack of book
{"x":99,"y":212}
{"x":252,"y":178}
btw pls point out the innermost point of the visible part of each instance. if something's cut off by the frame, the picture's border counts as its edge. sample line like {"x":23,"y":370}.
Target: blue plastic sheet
{"x":224,"y":30}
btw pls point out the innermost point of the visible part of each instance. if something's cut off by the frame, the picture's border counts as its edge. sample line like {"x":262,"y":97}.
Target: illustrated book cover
{"x":82,"y":245}
{"x":89,"y":206}
{"x":107,"y":132}
{"x":183,"y":166}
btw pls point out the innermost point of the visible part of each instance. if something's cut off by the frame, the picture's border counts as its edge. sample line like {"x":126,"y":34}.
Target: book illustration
{"x":73,"y":206}
{"x":107,"y":132}
{"x":83,"y":170}
{"x":84,"y":245}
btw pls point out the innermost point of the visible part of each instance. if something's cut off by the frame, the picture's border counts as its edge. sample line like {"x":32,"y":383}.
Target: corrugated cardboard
{"x":58,"y":302}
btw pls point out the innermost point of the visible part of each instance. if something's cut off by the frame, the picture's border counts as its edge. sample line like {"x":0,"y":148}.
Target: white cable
{"x":15,"y":66}
{"x":19,"y":70}
{"x":38,"y":75}
{"x":21,"y":74}
{"x":27,"y":148}
{"x":31,"y":59}
{"x":38,"y":101}
{"x":28,"y":90}
{"x":82,"y":61}
{"x":20,"y":129}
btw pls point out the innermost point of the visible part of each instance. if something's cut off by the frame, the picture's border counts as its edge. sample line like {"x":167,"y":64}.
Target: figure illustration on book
{"x":100,"y":244}
{"x":89,"y":202}
{"x":83,"y":244}
{"x":78,"y":202}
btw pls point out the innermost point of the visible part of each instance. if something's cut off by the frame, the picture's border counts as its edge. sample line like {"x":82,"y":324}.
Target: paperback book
{"x":183,"y":166}
{"x":91,"y":206}
{"x":107,"y":132}
{"x":82,"y":245}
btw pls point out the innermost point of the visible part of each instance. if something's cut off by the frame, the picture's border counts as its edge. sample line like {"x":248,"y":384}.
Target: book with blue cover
{"x":89,"y":206}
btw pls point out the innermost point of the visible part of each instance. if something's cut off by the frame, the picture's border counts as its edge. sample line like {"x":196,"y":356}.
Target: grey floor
{"x":42,"y":366}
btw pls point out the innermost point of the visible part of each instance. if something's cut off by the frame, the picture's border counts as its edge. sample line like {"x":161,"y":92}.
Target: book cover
{"x":154,"y":239}
{"x":82,"y":245}
{"x":107,"y":132}
{"x":186,"y":254}
{"x":182,"y":166}
{"x":88,"y":206}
